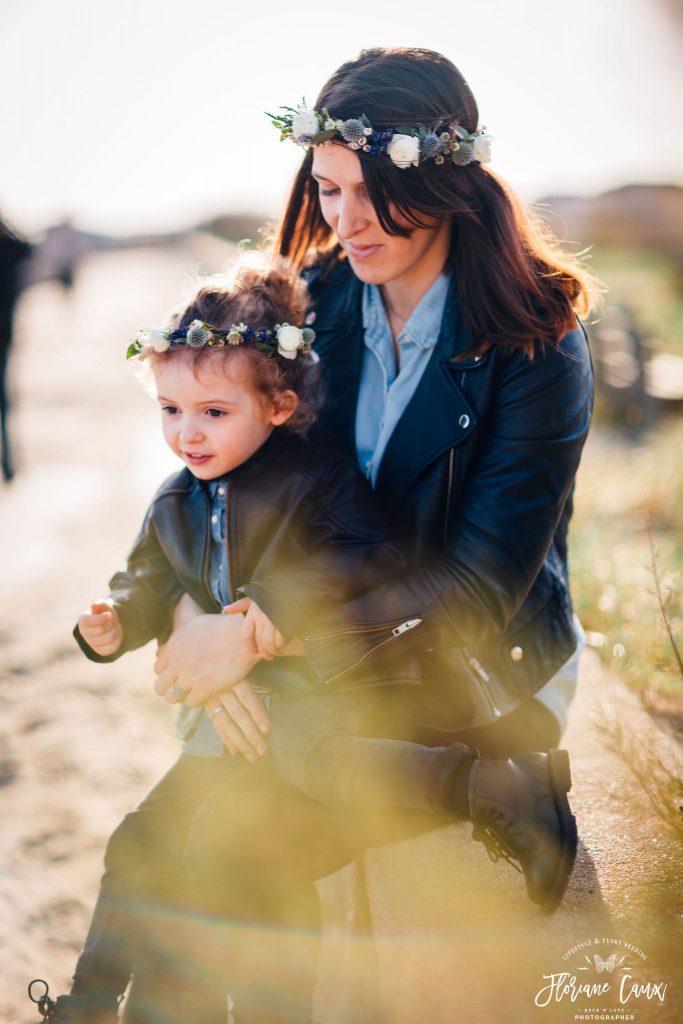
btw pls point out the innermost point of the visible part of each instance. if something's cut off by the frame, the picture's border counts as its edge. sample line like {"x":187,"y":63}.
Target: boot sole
{"x":561,"y":782}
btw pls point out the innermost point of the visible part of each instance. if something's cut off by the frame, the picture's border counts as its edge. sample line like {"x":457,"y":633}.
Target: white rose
{"x":305,"y":124}
{"x":289,"y":340}
{"x":481,"y":151}
{"x":158,"y":340}
{"x":404,"y":150}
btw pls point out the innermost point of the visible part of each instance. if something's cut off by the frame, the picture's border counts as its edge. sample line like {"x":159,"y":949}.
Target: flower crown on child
{"x":284,"y":339}
{"x":405,"y":147}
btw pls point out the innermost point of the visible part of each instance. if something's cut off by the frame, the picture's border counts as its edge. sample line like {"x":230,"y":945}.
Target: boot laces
{"x":495,"y":844}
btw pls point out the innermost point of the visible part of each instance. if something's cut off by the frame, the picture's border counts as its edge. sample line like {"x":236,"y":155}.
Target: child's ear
{"x":284,"y":404}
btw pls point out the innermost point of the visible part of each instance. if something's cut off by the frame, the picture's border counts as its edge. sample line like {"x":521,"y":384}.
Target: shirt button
{"x":214,"y":519}
{"x":464,"y":421}
{"x":517,"y":653}
{"x":221,"y":491}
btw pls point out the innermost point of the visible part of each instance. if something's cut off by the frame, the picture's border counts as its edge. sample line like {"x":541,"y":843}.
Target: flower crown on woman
{"x":405,"y":147}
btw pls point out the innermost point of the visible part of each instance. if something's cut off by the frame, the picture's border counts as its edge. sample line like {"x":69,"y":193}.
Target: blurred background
{"x":135,"y":154}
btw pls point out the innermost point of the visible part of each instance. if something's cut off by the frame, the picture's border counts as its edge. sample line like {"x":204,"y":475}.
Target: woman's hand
{"x":240,"y":718}
{"x":203,"y":658}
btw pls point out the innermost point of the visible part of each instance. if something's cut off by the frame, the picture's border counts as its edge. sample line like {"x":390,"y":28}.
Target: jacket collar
{"x":437,"y":417}
{"x":272,"y":447}
{"x":339,"y":344}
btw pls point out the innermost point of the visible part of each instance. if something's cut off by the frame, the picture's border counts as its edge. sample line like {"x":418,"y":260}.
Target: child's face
{"x":213,"y":420}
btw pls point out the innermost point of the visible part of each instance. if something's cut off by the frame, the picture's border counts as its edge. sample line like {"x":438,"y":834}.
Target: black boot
{"x":72,"y":1009}
{"x":520,"y":812}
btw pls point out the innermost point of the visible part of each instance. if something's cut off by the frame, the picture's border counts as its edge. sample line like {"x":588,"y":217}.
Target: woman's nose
{"x":351,"y":217}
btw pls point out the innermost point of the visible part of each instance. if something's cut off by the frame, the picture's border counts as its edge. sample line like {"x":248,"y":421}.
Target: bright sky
{"x":135,"y":115}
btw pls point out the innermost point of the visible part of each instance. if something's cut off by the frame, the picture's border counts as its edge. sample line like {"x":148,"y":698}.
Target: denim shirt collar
{"x":422,"y":326}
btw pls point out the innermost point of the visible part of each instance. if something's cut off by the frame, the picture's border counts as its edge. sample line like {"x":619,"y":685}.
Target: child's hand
{"x":258,"y":632}
{"x":101,"y":628}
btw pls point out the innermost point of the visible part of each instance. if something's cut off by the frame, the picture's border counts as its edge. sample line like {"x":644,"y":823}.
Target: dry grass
{"x":620,"y":485}
{"x":656,"y":773}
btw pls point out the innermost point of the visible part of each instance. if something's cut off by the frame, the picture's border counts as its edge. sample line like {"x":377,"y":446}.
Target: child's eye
{"x":328,"y":191}
{"x":170,"y":410}
{"x":216,"y":413}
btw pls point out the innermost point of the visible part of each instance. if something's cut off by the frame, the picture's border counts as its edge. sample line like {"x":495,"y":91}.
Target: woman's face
{"x":375,"y":256}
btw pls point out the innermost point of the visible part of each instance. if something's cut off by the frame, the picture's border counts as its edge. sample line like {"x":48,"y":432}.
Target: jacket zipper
{"x":228,"y":546}
{"x":396,"y":631}
{"x":411,"y":624}
{"x":484,"y":679}
{"x":397,"y":628}
{"x":207,"y":548}
{"x":449,"y":492}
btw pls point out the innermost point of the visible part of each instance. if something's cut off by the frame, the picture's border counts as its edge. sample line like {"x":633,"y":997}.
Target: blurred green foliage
{"x":651,"y":285}
{"x":625,"y":476}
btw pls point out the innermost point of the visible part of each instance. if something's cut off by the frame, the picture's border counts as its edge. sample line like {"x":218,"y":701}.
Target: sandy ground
{"x":79,"y":744}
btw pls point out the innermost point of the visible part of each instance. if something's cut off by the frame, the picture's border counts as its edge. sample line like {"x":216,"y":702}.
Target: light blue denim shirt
{"x":199,"y":736}
{"x":384,"y":394}
{"x":386,"y":389}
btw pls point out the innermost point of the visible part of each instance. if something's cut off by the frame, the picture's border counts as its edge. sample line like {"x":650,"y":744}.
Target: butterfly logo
{"x":606,"y":965}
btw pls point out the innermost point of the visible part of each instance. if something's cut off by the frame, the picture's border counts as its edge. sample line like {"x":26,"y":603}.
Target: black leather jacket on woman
{"x":476,"y":482}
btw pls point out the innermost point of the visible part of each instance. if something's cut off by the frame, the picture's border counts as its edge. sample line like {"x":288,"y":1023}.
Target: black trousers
{"x":209,"y":883}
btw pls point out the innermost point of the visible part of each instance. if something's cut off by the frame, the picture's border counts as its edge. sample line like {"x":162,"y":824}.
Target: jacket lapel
{"x":339,"y":344}
{"x":437,"y":416}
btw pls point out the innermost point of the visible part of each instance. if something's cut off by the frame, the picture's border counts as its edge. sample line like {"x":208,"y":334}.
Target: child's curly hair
{"x":259,"y":293}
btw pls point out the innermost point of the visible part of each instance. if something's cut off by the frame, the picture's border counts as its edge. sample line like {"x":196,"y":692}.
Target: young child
{"x":238,"y":385}
{"x":292,"y":527}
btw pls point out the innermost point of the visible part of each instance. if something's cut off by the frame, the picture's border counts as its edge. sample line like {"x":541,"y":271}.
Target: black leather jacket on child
{"x":304,"y":536}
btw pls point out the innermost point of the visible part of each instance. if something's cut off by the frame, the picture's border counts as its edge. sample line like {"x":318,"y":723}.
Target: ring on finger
{"x":216,"y":711}
{"x":177,"y":691}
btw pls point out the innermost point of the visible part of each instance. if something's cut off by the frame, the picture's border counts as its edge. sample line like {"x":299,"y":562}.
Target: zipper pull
{"x":480,"y":670}
{"x":405,"y":626}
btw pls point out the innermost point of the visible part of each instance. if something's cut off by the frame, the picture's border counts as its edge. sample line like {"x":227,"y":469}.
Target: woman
{"x":459,"y":378}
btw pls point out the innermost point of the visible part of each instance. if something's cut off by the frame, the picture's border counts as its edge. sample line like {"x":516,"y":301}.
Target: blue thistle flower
{"x":197,"y":335}
{"x":353,"y":131}
{"x":431,"y":145}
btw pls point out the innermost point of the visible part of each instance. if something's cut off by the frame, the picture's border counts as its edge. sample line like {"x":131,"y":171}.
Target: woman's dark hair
{"x":515,"y":284}
{"x":260,"y":294}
